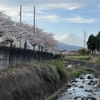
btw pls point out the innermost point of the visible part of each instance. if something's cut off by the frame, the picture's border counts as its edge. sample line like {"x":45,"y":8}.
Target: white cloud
{"x":27,"y":8}
{"x":40,"y":12}
{"x":79,"y":19}
{"x":75,"y":19}
{"x":53,"y":18}
{"x":50,"y":4}
{"x":68,"y":6}
{"x":98,"y":5}
{"x":9,"y":11}
{"x":40,"y":5}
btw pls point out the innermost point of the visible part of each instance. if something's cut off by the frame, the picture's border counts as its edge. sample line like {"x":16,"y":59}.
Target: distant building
{"x":3,"y":41}
{"x":56,"y":52}
{"x":64,"y":52}
{"x":72,"y":52}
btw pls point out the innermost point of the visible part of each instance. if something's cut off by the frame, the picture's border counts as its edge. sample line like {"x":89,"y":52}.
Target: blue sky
{"x":57,"y":16}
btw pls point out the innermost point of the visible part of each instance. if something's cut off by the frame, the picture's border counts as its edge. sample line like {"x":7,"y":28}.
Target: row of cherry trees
{"x":16,"y":31}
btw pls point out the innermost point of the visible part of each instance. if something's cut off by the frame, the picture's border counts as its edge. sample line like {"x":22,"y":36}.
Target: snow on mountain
{"x":71,"y":39}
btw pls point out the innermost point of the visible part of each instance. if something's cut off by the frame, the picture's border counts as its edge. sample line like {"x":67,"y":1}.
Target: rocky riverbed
{"x":84,"y":87}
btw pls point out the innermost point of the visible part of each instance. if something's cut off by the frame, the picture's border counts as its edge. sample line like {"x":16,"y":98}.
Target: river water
{"x":82,"y":88}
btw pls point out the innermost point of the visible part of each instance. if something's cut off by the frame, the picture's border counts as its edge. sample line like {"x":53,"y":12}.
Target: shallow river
{"x":82,"y":88}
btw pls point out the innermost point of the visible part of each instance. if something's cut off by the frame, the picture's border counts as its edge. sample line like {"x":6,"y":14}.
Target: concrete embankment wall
{"x":14,"y":56}
{"x":85,"y":64}
{"x":29,"y":83}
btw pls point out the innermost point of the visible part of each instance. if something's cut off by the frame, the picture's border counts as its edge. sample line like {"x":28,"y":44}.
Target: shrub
{"x":51,"y":76}
{"x":57,"y":56}
{"x":77,"y":73}
{"x":60,"y":68}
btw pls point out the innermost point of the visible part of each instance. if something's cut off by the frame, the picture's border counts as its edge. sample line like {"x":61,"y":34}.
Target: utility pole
{"x":34,"y":25}
{"x":20,"y":22}
{"x":20,"y":13}
{"x":84,"y":40}
{"x":34,"y":19}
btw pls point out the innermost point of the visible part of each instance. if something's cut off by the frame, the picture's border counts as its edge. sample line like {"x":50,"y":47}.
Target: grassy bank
{"x":49,"y":70}
{"x":37,"y":80}
{"x":62,"y":70}
{"x":52,"y":66}
{"x":95,"y":58}
{"x":76,"y":73}
{"x":78,"y":57}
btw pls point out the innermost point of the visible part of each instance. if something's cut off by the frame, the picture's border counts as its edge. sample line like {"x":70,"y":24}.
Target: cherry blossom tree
{"x":7,"y":27}
{"x":16,"y":31}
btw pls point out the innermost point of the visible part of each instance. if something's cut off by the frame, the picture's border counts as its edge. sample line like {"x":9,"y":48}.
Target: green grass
{"x":77,"y":73}
{"x":95,"y":58}
{"x":47,"y":72}
{"x":98,"y":59}
{"x":60,"y":69}
{"x":9,"y":68}
{"x":78,"y":57}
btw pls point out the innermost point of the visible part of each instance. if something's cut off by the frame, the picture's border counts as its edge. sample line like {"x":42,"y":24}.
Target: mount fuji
{"x":71,"y":39}
{"x":70,"y":42}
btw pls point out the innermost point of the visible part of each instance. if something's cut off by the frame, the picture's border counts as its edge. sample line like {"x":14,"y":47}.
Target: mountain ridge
{"x":71,"y":39}
{"x":63,"y":46}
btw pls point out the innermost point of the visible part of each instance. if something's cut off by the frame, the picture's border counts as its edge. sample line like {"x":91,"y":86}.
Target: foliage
{"x":60,"y":68}
{"x":78,"y":57}
{"x":83,"y":51}
{"x":49,"y":77}
{"x":16,"y":32}
{"x":96,"y":58}
{"x":77,"y":73}
{"x":47,"y":72}
{"x":89,"y":70}
{"x":57,"y":56}
{"x":9,"y":68}
{"x":98,"y":41}
{"x":91,"y":43}
{"x":88,"y":52}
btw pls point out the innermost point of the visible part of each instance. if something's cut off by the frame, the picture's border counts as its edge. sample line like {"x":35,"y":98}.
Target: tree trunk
{"x":25,"y":45}
{"x":34,"y":46}
{"x":11,"y":43}
{"x":92,"y":53}
{"x":39,"y":48}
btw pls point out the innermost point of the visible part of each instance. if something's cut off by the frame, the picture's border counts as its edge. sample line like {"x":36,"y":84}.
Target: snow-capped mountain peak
{"x":64,"y":37}
{"x":71,"y":39}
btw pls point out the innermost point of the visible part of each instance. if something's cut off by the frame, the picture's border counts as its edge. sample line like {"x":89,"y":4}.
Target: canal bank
{"x":84,"y":87}
{"x":37,"y":81}
{"x":83,"y":64}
